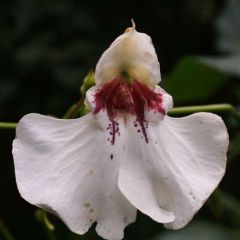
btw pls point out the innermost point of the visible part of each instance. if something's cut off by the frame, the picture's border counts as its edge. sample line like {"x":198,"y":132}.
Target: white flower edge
{"x":177,"y":170}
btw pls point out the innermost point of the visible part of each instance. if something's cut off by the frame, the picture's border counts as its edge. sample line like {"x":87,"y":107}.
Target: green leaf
{"x":234,"y":152}
{"x":231,"y":210}
{"x":192,"y":80}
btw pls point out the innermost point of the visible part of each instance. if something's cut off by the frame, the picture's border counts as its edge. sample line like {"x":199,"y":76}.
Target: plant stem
{"x":73,"y":111}
{"x":7,"y":125}
{"x":6,"y":235}
{"x":47,"y":226}
{"x":176,"y":111}
{"x":204,"y":108}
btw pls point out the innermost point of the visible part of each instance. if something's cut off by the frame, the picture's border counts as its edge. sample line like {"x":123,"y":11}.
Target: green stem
{"x":228,"y":108}
{"x":7,"y":125}
{"x":73,"y":111}
{"x":47,"y":226}
{"x":6,"y":235}
{"x":176,"y":111}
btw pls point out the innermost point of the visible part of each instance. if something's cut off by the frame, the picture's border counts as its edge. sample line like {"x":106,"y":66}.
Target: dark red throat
{"x":119,"y":97}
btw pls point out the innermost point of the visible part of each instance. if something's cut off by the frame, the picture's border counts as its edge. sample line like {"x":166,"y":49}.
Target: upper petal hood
{"x":132,"y":53}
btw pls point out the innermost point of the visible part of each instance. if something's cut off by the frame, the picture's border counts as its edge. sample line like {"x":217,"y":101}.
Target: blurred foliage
{"x":228,"y":26}
{"x":46,"y":49}
{"x":199,"y":231}
{"x":228,"y":41}
{"x":191,"y":81}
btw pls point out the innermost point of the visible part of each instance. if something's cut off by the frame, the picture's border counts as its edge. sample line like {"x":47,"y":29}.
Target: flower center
{"x":122,"y":96}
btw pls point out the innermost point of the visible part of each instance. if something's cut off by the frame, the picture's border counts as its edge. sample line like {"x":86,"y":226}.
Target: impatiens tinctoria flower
{"x":127,"y":154}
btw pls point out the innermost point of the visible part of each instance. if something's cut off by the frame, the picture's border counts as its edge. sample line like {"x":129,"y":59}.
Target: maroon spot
{"x":111,"y":156}
{"x":119,"y":96}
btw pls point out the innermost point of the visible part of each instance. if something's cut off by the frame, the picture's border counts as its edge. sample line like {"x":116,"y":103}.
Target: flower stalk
{"x":48,"y":227}
{"x":4,"y":232}
{"x":8,"y":125}
{"x":224,"y":107}
{"x":176,"y":111}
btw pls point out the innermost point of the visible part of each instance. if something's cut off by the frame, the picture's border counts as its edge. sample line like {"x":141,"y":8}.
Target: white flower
{"x":125,"y":155}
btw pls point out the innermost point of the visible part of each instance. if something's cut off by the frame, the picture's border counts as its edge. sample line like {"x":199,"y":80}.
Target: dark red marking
{"x":111,"y":156}
{"x":119,"y":96}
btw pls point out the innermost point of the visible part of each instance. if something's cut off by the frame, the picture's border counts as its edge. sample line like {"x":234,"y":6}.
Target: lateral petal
{"x":69,"y":168}
{"x":170,"y":177}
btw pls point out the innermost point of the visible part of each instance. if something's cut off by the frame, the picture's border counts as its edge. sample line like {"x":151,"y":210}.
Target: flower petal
{"x":154,"y":115}
{"x":176,"y":171}
{"x":68,"y":168}
{"x":131,"y":52}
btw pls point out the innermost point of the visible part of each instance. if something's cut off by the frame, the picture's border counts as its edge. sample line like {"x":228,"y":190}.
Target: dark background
{"x":48,"y":46}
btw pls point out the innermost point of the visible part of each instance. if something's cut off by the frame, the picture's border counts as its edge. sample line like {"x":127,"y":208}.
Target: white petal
{"x":132,"y":52}
{"x":178,"y":168}
{"x":153,"y":115}
{"x":68,"y":168}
